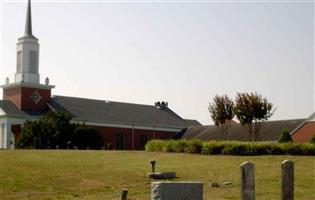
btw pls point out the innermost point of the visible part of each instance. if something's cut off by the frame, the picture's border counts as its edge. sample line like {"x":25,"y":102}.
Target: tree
{"x":252,"y":108}
{"x":285,"y":136}
{"x":221,"y":110}
{"x":50,"y":130}
{"x":62,"y":128}
{"x":33,"y":135}
{"x":54,"y":129}
{"x":86,"y":138}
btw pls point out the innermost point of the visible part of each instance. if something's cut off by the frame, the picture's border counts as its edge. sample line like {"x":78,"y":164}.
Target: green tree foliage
{"x":252,"y":109}
{"x":87,"y":138}
{"x":34,"y":135}
{"x":61,"y":128}
{"x":222,"y":111}
{"x":313,"y":139}
{"x":285,"y":136}
{"x":52,"y":130}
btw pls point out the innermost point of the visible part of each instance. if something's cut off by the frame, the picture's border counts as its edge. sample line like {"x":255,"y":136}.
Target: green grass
{"x":54,"y":174}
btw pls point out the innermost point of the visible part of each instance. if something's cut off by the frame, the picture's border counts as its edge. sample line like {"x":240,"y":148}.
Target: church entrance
{"x":16,"y":134}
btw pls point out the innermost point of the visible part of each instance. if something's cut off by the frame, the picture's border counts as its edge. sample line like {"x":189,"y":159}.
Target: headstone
{"x":247,"y":181}
{"x":162,"y":175}
{"x":124,"y":194}
{"x":176,"y":191}
{"x":287,"y":180}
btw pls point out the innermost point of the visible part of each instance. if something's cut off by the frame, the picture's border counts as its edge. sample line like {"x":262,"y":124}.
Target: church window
{"x":36,"y":97}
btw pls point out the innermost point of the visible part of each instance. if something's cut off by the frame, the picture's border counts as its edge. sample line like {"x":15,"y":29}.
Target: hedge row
{"x":230,"y":148}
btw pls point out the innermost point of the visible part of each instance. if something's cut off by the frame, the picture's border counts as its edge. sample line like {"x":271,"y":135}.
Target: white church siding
{"x":2,"y":136}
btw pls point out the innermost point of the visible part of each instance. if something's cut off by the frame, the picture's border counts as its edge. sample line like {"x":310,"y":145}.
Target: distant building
{"x":305,"y":131}
{"x":122,"y":125}
{"x":302,"y":130}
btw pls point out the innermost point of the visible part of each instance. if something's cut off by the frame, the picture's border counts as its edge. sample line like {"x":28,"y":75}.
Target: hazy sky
{"x":180,"y":52}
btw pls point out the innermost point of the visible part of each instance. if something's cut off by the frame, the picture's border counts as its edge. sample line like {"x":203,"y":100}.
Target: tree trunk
{"x":223,"y":126}
{"x":257,"y":129}
{"x":250,"y":132}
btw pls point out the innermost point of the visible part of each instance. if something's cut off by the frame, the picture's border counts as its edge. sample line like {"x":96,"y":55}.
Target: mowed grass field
{"x":57,"y":174}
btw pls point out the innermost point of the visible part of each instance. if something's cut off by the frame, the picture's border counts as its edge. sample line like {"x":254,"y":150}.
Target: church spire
{"x":28,"y":24}
{"x":27,"y":53}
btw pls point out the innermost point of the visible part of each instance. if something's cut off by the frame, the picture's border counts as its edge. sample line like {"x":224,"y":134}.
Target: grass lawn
{"x":56,"y":174}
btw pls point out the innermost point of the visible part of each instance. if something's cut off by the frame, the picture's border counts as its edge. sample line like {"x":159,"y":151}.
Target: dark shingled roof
{"x":10,"y":109}
{"x":270,"y":131}
{"x":192,"y":122}
{"x":101,"y":111}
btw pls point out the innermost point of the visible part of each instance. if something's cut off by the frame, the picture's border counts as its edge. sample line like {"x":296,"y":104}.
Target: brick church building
{"x":123,"y":125}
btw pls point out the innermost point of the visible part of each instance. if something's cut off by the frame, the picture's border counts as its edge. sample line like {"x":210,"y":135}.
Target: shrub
{"x":212,"y":148}
{"x":233,"y":149}
{"x":179,"y":146}
{"x":230,"y":148}
{"x":313,"y":139}
{"x":263,"y":148}
{"x":276,"y":149}
{"x":86,"y":138}
{"x":194,"y":146}
{"x":237,"y":149}
{"x":154,"y":145}
{"x":309,"y":149}
{"x":285,"y":136}
{"x":168,"y":146}
{"x":299,"y":149}
{"x":243,"y":148}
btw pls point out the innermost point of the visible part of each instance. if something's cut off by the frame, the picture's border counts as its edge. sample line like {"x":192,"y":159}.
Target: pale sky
{"x":180,"y":52}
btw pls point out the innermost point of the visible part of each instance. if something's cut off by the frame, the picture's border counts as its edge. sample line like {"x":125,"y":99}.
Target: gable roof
{"x":270,"y":131}
{"x":192,"y":122}
{"x":91,"y":110}
{"x":10,"y":108}
{"x":311,"y":118}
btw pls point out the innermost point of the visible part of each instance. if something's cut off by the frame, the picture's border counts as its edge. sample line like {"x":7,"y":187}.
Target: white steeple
{"x":27,"y":54}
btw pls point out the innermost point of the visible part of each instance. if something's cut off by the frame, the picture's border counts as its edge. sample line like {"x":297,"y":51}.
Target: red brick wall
{"x":21,"y":97}
{"x":109,"y":136}
{"x":27,"y":102}
{"x":305,"y":133}
{"x":13,"y":95}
